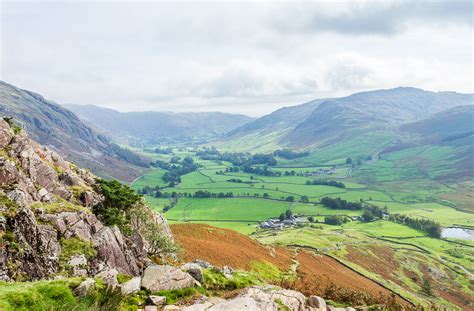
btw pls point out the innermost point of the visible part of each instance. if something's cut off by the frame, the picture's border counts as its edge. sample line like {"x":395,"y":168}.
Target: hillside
{"x":264,"y":133}
{"x":324,"y":122}
{"x":58,"y":128}
{"x":152,"y":127}
{"x":71,"y":241}
{"x":315,"y":273}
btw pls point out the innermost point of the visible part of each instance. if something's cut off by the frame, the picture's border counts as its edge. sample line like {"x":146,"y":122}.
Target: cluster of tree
{"x":289,"y":155}
{"x":332,"y":183}
{"x":431,"y":227}
{"x":260,"y":170}
{"x":208,"y":194}
{"x":118,"y":201}
{"x":173,"y":175}
{"x":373,"y":212}
{"x":334,"y":220}
{"x":149,"y":190}
{"x":239,"y":181}
{"x":339,"y":203}
{"x":237,"y":158}
{"x":359,"y":160}
{"x":163,"y":151}
{"x":286,"y":215}
{"x":128,"y":155}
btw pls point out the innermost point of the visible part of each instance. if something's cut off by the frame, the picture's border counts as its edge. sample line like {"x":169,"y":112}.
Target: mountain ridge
{"x":156,"y":126}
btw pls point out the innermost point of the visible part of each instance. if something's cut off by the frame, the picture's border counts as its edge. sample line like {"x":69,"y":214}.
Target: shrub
{"x":118,"y":201}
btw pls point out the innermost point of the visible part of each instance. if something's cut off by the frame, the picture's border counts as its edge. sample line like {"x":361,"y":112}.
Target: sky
{"x":237,"y":57}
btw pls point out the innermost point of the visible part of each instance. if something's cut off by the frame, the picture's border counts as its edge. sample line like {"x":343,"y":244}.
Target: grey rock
{"x":151,"y":308}
{"x":198,"y":307}
{"x":156,"y":278}
{"x":84,"y":287}
{"x":157,"y":300}
{"x":194,"y":270}
{"x":78,"y":260}
{"x":111,"y":248}
{"x":317,"y":303}
{"x":131,"y":286}
{"x":171,"y":308}
{"x":244,"y":304}
{"x":294,"y":300}
{"x":109,"y":277}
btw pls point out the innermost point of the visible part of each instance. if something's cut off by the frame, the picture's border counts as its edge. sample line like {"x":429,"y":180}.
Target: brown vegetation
{"x":317,"y":274}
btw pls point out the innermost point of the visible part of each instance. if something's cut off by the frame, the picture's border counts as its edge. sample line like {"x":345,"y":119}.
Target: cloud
{"x":372,"y":18}
{"x":237,"y":57}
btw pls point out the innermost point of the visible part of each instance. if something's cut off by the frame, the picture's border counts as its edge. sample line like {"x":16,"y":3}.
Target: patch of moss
{"x":60,"y":205}
{"x":175,"y":295}
{"x":16,"y":129}
{"x":11,"y":206}
{"x":58,"y":295}
{"x":74,"y":246}
{"x":216,"y":281}
{"x":267,"y":271}
{"x":122,"y":278}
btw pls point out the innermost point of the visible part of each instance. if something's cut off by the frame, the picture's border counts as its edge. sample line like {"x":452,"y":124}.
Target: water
{"x":458,"y":233}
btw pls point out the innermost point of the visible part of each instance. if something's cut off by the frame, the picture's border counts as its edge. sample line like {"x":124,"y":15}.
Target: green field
{"x":403,"y":182}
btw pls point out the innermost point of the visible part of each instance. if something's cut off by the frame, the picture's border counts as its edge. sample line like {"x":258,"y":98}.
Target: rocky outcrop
{"x":157,"y":277}
{"x":46,"y":202}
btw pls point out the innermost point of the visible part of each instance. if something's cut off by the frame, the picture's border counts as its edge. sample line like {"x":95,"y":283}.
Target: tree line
{"x":431,"y":227}
{"x":332,"y":183}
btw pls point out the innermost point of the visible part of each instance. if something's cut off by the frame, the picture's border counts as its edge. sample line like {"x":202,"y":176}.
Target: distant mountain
{"x":58,"y":128}
{"x":329,"y":121}
{"x":264,"y":133}
{"x":153,"y":127}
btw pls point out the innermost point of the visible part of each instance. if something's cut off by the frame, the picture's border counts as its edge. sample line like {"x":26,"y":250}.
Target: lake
{"x":458,"y":233}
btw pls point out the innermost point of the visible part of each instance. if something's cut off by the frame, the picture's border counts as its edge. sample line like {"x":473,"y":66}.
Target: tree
{"x":304,"y":199}
{"x":368,"y":216}
{"x":158,"y":194}
{"x":349,"y":160}
{"x":333,"y":220}
{"x":282,"y":217}
{"x":288,"y":213}
{"x":290,"y":198}
{"x":311,"y":219}
{"x":426,"y":287}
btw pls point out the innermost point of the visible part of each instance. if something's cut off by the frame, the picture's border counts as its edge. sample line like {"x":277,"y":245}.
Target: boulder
{"x":78,"y":260}
{"x":157,"y":300}
{"x":84,"y":287}
{"x":244,"y":304}
{"x":151,"y":308}
{"x":131,"y":286}
{"x":294,"y":300}
{"x":198,"y":307}
{"x":157,"y":277}
{"x":109,"y":277}
{"x":171,"y":308}
{"x":316,"y":303}
{"x":203,"y":264}
{"x":194,"y":270}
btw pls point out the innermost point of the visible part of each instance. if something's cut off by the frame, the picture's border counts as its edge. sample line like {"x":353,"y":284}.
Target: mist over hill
{"x":152,"y":127}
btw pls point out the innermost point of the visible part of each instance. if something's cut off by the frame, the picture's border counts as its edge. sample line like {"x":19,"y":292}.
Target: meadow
{"x":392,"y":254}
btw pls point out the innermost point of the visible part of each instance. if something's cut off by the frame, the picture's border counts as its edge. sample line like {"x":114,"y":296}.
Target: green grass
{"x":215,"y":209}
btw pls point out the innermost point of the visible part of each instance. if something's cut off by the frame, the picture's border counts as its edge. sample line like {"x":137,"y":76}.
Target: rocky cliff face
{"x":46,"y":222}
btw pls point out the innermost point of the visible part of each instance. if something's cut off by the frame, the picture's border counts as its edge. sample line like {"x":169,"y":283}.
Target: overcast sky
{"x":249,"y":58}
